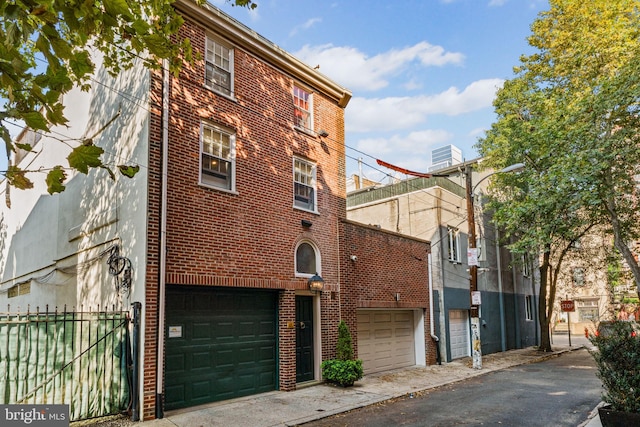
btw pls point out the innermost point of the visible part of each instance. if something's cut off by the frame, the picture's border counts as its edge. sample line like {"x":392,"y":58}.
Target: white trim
{"x":418,"y":337}
{"x":217,"y":41}
{"x":453,"y":240}
{"x":316,"y":250}
{"x":231,"y":159}
{"x":314,"y":171}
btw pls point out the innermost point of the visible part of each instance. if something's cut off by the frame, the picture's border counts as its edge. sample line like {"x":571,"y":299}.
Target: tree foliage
{"x":45,"y":51}
{"x":571,"y":115}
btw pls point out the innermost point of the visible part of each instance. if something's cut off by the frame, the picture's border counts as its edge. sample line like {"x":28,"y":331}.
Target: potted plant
{"x":344,"y":370}
{"x":617,"y":357}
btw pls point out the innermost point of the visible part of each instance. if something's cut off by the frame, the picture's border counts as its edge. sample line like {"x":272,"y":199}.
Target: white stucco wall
{"x":51,"y":244}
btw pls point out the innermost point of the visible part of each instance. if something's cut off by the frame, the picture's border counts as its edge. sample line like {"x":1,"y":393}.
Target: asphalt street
{"x":557,"y":392}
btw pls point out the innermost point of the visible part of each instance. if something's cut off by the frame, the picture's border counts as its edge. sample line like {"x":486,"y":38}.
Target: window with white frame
{"x":526,"y":270}
{"x":304,"y":184}
{"x":528,"y":307}
{"x":303,"y":107}
{"x":578,"y":276}
{"x":587,"y":310}
{"x":217,"y":158}
{"x":306,"y":259}
{"x":218,"y":67}
{"x":482,"y":250}
{"x":454,"y":244}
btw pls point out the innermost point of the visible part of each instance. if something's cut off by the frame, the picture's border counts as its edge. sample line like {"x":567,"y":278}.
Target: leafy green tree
{"x":571,"y":113}
{"x":45,"y":52}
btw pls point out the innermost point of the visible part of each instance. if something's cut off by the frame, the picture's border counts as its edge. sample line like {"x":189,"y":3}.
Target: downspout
{"x":503,"y":338}
{"x":163,"y":242}
{"x":431,"y":324}
{"x":135,"y":365}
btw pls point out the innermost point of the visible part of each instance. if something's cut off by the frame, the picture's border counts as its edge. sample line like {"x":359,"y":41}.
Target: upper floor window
{"x":526,"y":268}
{"x":219,"y":67}
{"x":454,"y":244}
{"x":481,"y":244}
{"x":307,"y":261}
{"x":217,"y":167}
{"x":303,"y":105}
{"x":578,"y":276}
{"x":304,"y":184}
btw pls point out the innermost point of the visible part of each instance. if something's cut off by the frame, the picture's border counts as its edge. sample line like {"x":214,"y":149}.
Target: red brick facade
{"x":386,"y":264}
{"x":245,"y":238}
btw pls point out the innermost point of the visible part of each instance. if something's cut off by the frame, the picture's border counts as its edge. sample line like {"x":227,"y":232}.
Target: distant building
{"x":444,"y":157}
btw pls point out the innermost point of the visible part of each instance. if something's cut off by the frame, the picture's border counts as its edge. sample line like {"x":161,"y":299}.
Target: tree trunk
{"x":621,"y":244}
{"x":545,"y":338}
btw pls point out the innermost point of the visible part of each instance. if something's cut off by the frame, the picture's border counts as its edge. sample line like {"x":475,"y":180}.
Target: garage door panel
{"x":228,"y":345}
{"x":403,"y":317}
{"x":382,"y":334}
{"x":385,"y":339}
{"x":458,"y":333}
{"x":381,"y":317}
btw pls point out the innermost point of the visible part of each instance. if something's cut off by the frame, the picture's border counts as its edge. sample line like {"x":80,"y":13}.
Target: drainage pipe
{"x":431,"y":325}
{"x":163,"y":242}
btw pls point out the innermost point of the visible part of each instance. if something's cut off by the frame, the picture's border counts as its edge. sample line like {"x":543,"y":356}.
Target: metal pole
{"x":473,"y":275}
{"x":135,"y":391}
{"x":569,"y":323}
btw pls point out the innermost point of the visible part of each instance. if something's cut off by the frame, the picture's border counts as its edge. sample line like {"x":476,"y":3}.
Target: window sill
{"x":308,"y":132}
{"x":306,"y":210}
{"x":213,"y":187}
{"x":222,"y":94}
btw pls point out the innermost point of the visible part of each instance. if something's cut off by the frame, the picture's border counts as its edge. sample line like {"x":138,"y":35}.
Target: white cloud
{"x":384,"y":114}
{"x":355,"y":70}
{"x":477,"y":132}
{"x":497,"y":2}
{"x":416,"y":143}
{"x":412,"y":85}
{"x":310,"y":23}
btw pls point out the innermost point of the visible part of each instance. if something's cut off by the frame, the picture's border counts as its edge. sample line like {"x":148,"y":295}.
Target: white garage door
{"x":459,"y":333}
{"x":385,"y":339}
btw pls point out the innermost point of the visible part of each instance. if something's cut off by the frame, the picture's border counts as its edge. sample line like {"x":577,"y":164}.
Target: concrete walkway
{"x":322,"y":400}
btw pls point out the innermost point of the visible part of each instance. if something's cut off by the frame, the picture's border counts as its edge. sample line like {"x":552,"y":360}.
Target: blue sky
{"x":423,"y":73}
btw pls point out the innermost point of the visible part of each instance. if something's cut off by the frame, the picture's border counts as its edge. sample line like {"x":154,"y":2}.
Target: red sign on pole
{"x":567,"y":305}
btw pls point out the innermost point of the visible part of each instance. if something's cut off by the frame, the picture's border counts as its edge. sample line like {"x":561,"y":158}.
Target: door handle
{"x":302,"y":325}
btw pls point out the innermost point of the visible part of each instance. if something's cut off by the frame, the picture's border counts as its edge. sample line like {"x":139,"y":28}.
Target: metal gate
{"x":78,"y":358}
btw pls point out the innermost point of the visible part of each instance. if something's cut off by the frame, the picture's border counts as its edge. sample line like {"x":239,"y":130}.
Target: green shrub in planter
{"x":343,"y":370}
{"x":617,"y":357}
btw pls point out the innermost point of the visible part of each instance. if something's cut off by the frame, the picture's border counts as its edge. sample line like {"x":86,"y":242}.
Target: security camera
{"x":354,"y":258}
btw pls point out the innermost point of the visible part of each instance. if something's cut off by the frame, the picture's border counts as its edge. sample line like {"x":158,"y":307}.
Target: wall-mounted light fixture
{"x":353,"y":258}
{"x":316,"y":283}
{"x":323,"y":133}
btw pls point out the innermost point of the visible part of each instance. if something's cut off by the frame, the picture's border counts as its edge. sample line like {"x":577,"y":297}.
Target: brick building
{"x":253,"y":194}
{"x":385,"y":297}
{"x":239,"y":202}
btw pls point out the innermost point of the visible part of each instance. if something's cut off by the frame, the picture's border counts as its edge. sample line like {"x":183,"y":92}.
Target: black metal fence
{"x":79,"y":358}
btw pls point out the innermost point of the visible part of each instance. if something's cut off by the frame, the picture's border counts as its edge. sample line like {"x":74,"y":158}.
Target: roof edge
{"x":236,"y":32}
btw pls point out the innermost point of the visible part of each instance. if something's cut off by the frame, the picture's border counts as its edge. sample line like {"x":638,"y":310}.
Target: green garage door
{"x":220,"y":344}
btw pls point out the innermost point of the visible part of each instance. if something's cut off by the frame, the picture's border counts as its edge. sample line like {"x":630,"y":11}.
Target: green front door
{"x":220,"y":344}
{"x":304,"y":338}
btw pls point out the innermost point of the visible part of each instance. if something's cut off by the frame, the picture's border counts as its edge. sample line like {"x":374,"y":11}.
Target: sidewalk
{"x":322,"y":400}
